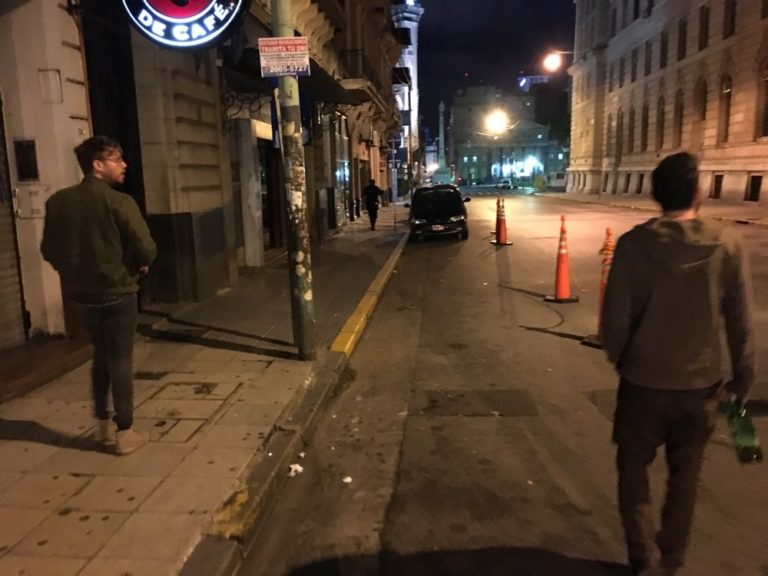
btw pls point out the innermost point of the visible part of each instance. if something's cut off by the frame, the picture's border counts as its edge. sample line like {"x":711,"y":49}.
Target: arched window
{"x":631,"y":131}
{"x":619,"y":136}
{"x":660,"y":121}
{"x":700,"y":101}
{"x":677,"y":135}
{"x":644,"y":128}
{"x":726,"y":98}
{"x":609,"y":137}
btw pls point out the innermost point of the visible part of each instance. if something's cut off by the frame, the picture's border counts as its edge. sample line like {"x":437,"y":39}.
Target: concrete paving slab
{"x":115,"y":567}
{"x":251,"y":413}
{"x":215,"y":463}
{"x":64,"y":390}
{"x":189,"y":388}
{"x":13,"y":565}
{"x":41,"y":491}
{"x":234,"y":436}
{"x":7,"y":478}
{"x":152,"y":460}
{"x":155,"y":536}
{"x":158,"y":428}
{"x":71,"y":534}
{"x":179,"y":409}
{"x":183,"y":431}
{"x":23,"y":456}
{"x":179,"y":495}
{"x":30,"y":408}
{"x":274,"y":392}
{"x":16,"y":523}
{"x":114,"y":493}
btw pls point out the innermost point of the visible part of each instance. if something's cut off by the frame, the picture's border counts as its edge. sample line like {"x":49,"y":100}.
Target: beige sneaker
{"x":128,"y":441}
{"x":105,"y":432}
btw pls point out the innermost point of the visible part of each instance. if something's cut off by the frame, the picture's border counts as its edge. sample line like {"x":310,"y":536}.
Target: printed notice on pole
{"x":286,"y":56}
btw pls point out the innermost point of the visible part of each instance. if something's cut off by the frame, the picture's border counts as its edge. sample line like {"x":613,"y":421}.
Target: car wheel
{"x":464,"y":234}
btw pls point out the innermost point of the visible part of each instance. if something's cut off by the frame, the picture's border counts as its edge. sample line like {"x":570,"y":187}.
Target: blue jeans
{"x":112,"y":328}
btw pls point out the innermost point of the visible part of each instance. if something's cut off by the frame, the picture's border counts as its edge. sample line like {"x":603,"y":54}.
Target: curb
{"x":239,"y":519}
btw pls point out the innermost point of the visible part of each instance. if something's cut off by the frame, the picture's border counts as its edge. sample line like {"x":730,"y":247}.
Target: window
{"x":717,"y":187}
{"x":640,"y":182}
{"x":764,"y":11}
{"x":627,"y":180}
{"x":703,"y":27}
{"x":753,"y":189}
{"x":474,"y":158}
{"x":677,"y":135}
{"x":648,"y":57}
{"x":633,"y":65}
{"x":636,"y":10}
{"x":609,"y":136}
{"x":622,"y":67}
{"x":644,"y":128}
{"x":682,"y":38}
{"x":613,"y":22}
{"x":663,"y":48}
{"x":764,"y":100}
{"x":611,"y":73}
{"x":660,"y":120}
{"x":726,"y":98}
{"x":729,"y":18}
{"x":700,"y":100}
{"x":619,"y":136}
{"x":631,"y":131}
{"x":466,"y":159}
{"x":624,"y":14}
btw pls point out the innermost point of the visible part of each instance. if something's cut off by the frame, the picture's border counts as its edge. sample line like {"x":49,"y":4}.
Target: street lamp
{"x":553,"y":61}
{"x":497,"y":122}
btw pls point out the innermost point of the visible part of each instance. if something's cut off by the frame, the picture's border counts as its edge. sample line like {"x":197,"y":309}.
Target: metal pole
{"x":299,"y":259}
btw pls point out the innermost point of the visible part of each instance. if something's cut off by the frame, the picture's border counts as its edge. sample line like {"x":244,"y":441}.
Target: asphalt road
{"x":473,"y":428}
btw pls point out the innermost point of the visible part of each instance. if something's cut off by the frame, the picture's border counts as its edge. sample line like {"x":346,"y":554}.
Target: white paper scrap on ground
{"x":347,"y":479}
{"x":295,"y":470}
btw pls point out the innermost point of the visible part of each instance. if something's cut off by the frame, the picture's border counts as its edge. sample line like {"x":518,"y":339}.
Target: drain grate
{"x":474,"y":403}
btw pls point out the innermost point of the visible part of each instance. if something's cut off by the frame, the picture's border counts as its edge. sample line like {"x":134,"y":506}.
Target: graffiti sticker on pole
{"x":285,"y":56}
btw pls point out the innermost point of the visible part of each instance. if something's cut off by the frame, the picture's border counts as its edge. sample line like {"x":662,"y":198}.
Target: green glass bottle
{"x":743,"y":434}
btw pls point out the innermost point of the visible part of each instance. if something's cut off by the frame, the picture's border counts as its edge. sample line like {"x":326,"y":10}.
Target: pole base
{"x":555,"y":300}
{"x":497,"y":243}
{"x":593,"y":341}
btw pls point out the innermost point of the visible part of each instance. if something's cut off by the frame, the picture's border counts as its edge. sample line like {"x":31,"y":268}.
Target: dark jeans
{"x":112,"y":328}
{"x":645,"y":419}
{"x":373,"y":213}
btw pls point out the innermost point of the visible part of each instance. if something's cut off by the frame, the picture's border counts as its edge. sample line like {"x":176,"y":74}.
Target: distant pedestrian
{"x":97,"y":240}
{"x":371,"y":195}
{"x":676,"y":284}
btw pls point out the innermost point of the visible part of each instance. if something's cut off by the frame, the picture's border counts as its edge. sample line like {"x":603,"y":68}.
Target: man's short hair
{"x":95,"y":148}
{"x":676,"y":181}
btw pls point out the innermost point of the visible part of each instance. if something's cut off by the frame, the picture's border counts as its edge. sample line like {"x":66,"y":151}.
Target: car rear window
{"x":439,"y":196}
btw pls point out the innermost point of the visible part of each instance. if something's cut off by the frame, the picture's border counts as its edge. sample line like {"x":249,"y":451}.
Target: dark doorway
{"x":112,"y":89}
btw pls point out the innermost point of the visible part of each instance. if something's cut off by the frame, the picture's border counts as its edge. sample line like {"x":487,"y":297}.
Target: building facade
{"x":654,"y":77}
{"x":518,"y":150}
{"x":198,"y":130}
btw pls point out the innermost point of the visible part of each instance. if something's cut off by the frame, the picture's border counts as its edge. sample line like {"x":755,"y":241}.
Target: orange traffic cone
{"x":606,"y":252}
{"x":501,"y":225}
{"x":562,"y":273}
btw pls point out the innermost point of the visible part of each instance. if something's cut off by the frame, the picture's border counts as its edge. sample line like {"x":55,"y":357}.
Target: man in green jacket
{"x":97,"y":240}
{"x":677,"y":284}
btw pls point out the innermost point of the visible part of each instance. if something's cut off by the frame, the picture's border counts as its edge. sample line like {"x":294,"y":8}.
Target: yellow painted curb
{"x":350,"y":333}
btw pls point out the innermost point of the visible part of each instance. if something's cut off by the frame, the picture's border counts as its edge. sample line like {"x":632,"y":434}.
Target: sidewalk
{"x":227,"y":405}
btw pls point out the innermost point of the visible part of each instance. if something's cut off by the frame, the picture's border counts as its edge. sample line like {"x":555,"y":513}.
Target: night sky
{"x":491,"y":40}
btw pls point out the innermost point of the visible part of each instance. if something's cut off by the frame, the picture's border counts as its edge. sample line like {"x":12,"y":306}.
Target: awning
{"x":321,"y":86}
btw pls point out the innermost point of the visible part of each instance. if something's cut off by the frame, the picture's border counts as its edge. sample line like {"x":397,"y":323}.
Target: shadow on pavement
{"x":486,"y":561}
{"x":31,"y":431}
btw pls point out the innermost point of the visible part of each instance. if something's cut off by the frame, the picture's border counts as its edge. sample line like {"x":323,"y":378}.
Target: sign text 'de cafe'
{"x":185,"y":23}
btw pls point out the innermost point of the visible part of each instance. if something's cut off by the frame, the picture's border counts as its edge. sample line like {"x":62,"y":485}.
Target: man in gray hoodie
{"x":677,"y":284}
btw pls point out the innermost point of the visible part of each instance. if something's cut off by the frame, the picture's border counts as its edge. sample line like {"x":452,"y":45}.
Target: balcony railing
{"x":357,"y":65}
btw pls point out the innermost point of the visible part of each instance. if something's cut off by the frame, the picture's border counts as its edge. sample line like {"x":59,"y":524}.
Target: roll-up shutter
{"x":11,"y":308}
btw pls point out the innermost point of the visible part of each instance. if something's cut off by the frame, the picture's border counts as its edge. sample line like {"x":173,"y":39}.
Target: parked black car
{"x":438,"y":211}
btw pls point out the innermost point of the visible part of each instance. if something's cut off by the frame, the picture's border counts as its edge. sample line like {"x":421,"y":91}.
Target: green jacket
{"x":96,"y":239}
{"x":677,"y":291}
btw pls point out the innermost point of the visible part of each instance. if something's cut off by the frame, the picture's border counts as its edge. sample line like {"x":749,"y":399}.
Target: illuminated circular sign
{"x":185,"y":23}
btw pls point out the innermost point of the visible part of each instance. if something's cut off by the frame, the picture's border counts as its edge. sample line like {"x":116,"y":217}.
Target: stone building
{"x":519,"y":149}
{"x":197,"y":127}
{"x":654,"y":77}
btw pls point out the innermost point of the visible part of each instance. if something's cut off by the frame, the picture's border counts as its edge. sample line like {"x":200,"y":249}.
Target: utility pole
{"x":299,"y":258}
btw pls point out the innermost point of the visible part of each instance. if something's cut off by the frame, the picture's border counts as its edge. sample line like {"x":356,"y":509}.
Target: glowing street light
{"x":497,"y":122}
{"x":554,"y":60}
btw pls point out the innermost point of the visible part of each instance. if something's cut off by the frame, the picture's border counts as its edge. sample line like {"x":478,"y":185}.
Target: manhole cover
{"x":498,"y":403}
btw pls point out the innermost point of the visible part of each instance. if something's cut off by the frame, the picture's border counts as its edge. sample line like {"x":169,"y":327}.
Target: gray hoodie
{"x":675,"y":288}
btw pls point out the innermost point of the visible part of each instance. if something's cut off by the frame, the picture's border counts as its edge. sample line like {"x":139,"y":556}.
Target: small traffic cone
{"x":501,"y":225}
{"x":609,"y":246}
{"x":562,"y":273}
